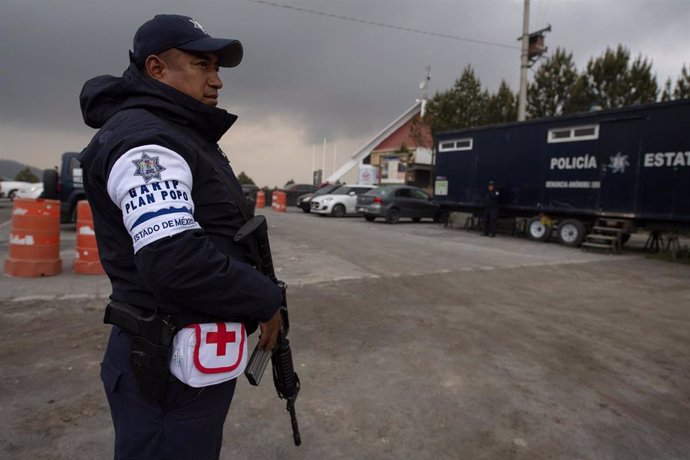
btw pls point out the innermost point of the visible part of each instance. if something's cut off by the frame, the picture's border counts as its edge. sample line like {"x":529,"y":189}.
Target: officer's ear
{"x":155,"y":67}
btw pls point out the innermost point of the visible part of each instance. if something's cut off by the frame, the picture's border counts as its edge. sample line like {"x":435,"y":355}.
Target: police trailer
{"x":590,"y":178}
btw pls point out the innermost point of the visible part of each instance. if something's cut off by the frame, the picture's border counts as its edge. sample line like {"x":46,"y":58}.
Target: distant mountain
{"x":9,"y":169}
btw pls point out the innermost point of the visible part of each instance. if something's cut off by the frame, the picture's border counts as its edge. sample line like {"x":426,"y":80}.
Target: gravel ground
{"x":500,"y":349}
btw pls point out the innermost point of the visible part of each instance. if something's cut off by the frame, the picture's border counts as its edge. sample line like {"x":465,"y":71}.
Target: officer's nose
{"x":215,"y":81}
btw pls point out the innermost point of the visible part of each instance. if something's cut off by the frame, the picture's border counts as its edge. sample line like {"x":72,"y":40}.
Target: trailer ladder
{"x":607,"y":234}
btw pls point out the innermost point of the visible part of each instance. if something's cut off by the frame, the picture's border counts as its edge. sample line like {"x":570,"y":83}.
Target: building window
{"x":455,"y":145}
{"x":573,"y":134}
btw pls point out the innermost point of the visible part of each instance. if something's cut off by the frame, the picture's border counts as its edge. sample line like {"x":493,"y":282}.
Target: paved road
{"x":314,"y":249}
{"x":411,"y":341}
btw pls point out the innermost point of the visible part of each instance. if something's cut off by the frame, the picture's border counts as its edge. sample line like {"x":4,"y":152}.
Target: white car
{"x":341,"y":202}
{"x":33,"y":192}
{"x":9,"y":188}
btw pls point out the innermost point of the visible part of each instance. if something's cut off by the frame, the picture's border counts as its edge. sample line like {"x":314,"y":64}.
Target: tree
{"x":643,"y":85}
{"x":460,"y":107}
{"x":25,"y":175}
{"x":404,"y":153}
{"x":550,"y":95}
{"x":667,"y":94}
{"x":610,"y":81}
{"x":502,"y":106}
{"x":682,"y":89}
{"x":421,"y":133}
{"x":580,"y":98}
{"x":244,"y":179}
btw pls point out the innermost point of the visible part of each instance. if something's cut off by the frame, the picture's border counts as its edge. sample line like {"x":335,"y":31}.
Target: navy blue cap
{"x":166,"y":31}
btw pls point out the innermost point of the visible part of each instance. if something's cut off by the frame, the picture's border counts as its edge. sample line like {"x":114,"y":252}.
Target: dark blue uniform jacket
{"x":199,"y":274}
{"x":491,"y":200}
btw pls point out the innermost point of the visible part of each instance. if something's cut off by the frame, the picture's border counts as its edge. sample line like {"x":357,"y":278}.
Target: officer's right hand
{"x":269,"y":332}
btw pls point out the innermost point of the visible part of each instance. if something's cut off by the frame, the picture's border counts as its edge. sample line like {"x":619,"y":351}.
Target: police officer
{"x":164,"y":221}
{"x":490,"y":210}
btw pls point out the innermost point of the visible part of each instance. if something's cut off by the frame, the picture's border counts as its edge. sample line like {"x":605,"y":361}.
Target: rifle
{"x":285,"y":379}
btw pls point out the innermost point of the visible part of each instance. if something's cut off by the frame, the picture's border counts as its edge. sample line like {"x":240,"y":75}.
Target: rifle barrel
{"x":293,"y":419}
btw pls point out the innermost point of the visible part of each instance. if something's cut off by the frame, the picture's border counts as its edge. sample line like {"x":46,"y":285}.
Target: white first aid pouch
{"x":209,"y":353}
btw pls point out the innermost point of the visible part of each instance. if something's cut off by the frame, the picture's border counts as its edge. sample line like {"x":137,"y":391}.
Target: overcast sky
{"x":304,"y":76}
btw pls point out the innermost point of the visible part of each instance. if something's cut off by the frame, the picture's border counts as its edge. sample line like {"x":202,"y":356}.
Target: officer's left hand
{"x":269,"y":332}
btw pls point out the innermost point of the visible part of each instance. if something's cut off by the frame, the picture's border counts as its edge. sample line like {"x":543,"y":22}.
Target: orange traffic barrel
{"x":34,"y":248}
{"x":279,"y":201}
{"x":86,"y":259}
{"x":260,"y":199}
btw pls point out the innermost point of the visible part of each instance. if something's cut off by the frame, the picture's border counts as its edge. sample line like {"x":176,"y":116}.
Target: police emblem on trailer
{"x":148,"y":168}
{"x":619,"y":163}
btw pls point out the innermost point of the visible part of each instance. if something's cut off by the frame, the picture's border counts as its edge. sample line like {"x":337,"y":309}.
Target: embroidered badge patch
{"x":148,"y":168}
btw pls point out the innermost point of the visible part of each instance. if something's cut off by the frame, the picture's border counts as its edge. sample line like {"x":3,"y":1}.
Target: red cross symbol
{"x":220,"y":338}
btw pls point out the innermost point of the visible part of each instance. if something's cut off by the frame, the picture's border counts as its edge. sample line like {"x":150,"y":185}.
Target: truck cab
{"x":65,"y":185}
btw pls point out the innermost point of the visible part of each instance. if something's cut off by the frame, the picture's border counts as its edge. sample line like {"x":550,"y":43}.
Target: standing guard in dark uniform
{"x":165,"y":221}
{"x":491,"y":199}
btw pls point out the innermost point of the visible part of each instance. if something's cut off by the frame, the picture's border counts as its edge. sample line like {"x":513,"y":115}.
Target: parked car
{"x":395,"y":201}
{"x":32,"y":193}
{"x":341,"y":202}
{"x":304,"y":201}
{"x":10,"y":188}
{"x":295,"y":190}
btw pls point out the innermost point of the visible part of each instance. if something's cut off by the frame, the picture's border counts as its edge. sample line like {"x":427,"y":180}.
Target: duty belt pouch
{"x":209,"y":353}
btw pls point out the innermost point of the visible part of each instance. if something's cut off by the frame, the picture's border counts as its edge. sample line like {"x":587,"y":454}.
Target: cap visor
{"x":229,"y":51}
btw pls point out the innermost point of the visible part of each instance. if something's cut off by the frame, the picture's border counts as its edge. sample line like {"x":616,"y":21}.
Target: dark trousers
{"x":490,"y":221}
{"x":187,"y":424}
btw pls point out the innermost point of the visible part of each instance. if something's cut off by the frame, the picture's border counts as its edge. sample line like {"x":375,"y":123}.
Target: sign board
{"x":441,"y":186}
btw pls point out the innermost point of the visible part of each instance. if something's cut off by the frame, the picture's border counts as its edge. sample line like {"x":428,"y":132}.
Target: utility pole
{"x":323,"y":160}
{"x":532,"y":49}
{"x":313,"y":163}
{"x":524,"y":64}
{"x":335,"y":153}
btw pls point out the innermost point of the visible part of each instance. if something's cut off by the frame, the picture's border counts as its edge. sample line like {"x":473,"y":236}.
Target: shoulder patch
{"x":153,"y":205}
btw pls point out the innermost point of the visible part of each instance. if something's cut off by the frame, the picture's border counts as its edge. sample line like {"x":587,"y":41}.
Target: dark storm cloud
{"x":341,"y":76}
{"x":333,"y":76}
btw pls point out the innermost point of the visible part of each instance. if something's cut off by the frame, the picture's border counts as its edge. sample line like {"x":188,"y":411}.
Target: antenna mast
{"x":423,"y":85}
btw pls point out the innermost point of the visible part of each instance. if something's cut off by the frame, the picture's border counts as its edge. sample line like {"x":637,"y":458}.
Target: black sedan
{"x":295,"y":190}
{"x":395,"y":201}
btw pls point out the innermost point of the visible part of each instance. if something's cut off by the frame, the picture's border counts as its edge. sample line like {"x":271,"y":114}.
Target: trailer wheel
{"x":538,"y":231}
{"x":571,"y":232}
{"x":442,"y":216}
